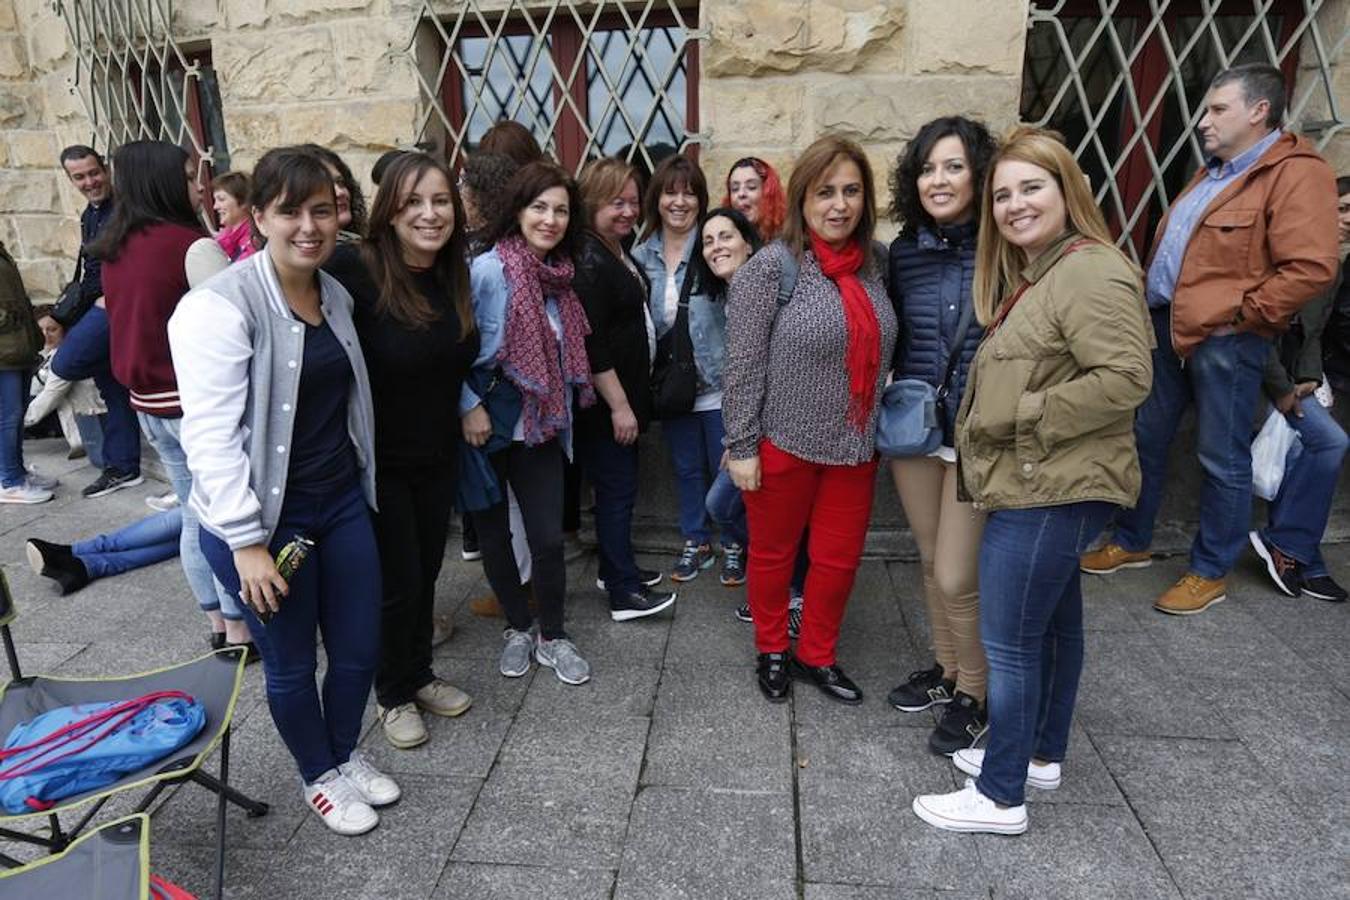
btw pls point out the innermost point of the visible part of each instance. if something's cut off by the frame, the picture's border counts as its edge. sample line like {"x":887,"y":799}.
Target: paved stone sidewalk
{"x":1207,"y":759}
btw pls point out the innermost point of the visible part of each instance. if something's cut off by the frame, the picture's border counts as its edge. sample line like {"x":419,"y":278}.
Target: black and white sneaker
{"x":646,"y":578}
{"x":1322,"y":587}
{"x":1285,"y":571}
{"x":743,"y":613}
{"x":794,"y":616}
{"x":921,"y":690}
{"x":645,"y":602}
{"x":111,"y":480}
{"x":964,"y":722}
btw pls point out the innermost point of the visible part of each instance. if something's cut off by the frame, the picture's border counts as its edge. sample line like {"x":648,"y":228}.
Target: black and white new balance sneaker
{"x":921,"y":690}
{"x":964,"y":722}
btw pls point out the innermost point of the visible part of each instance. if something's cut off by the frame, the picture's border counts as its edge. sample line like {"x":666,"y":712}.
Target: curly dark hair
{"x":906,"y":209}
{"x":486,"y":176}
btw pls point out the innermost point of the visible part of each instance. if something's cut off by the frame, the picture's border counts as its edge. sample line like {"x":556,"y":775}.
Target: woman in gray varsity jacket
{"x":277,"y":425}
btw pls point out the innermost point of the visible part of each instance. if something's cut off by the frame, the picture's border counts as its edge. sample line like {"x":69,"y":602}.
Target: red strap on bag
{"x":167,"y":890}
{"x":1012,"y":301}
{"x":78,"y":736}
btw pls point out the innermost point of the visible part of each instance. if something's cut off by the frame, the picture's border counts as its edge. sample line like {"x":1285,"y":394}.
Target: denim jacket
{"x":707,"y":315}
{"x":487,"y":286}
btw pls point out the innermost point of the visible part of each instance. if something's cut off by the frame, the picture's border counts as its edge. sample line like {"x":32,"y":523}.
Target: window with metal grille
{"x":588,"y":79}
{"x":1124,"y":82}
{"x":137,"y":83}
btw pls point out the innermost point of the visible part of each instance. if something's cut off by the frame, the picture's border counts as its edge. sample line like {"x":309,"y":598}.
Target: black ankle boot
{"x":774,"y":681}
{"x":57,"y":562}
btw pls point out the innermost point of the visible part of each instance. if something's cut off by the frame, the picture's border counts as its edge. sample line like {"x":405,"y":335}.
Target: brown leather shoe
{"x":1192,"y":594}
{"x":1112,"y":558}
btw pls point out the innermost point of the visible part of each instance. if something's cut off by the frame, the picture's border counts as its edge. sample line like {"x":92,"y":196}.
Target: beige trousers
{"x":948,"y":534}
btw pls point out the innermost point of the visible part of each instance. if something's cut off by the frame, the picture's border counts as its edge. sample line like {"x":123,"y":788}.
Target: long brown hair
{"x":399,"y":297}
{"x":814,"y":164}
{"x":998,"y":263}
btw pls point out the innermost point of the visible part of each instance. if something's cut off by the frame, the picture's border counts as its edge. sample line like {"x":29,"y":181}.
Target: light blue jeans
{"x":144,"y":543}
{"x":163,"y":436}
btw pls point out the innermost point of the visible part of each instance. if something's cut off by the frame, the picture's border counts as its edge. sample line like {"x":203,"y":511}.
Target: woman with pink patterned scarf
{"x":517,"y":405}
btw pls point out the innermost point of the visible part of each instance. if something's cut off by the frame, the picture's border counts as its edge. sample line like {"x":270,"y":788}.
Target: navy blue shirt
{"x":92,"y":221}
{"x":322,"y":456}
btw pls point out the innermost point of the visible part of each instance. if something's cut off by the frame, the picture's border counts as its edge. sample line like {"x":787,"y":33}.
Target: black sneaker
{"x":1285,"y":571}
{"x":794,"y":618}
{"x":646,"y":578}
{"x":468,"y":548}
{"x":645,"y":602}
{"x":964,"y":722}
{"x":733,"y":565}
{"x":693,"y":559}
{"x":1322,"y":587}
{"x":743,"y":613}
{"x":111,"y":480}
{"x":922,"y":689}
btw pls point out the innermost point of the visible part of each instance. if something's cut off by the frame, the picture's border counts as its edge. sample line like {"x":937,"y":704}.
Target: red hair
{"x":772,"y":201}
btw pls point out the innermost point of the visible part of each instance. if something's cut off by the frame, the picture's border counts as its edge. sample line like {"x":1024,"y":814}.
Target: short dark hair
{"x":233,"y":183}
{"x":151,"y":187}
{"x":357,"y":201}
{"x":382,"y":164}
{"x":906,"y":208}
{"x":1259,"y":81}
{"x":672,"y":172}
{"x":81,"y":151}
{"x":705,"y":282}
{"x":1343,"y":185}
{"x":288,"y":174}
{"x":510,"y":138}
{"x":527,"y":184}
{"x":487,"y":175}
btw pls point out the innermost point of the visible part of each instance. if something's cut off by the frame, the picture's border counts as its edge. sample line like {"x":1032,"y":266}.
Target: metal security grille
{"x":137,"y":83}
{"x":1124,"y":81}
{"x":588,"y":79}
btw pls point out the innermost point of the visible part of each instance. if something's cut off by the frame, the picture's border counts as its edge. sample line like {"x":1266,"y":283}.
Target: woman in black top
{"x":621,"y":344}
{"x":415,"y":320}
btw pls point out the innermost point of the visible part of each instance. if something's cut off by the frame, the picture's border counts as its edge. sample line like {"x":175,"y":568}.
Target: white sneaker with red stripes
{"x":338,"y":802}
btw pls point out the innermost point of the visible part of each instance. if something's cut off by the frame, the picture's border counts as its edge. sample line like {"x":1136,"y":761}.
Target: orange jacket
{"x":1263,"y":247}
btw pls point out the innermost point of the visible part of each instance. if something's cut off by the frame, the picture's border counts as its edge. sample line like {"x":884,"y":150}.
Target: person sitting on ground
{"x":229,"y":195}
{"x":143,"y":543}
{"x":76,"y":404}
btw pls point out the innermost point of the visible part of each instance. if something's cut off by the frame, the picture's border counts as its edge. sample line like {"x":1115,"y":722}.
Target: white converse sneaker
{"x":339,"y":804}
{"x":377,"y":788}
{"x":403,"y":725}
{"x":969,"y":810}
{"x":1039,"y":775}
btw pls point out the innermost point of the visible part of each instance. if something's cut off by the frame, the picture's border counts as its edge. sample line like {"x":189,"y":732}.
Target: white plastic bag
{"x":1269,"y":451}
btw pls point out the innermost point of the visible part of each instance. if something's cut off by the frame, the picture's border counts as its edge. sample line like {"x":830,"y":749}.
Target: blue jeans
{"x":163,"y":437}
{"x":1031,"y":623}
{"x":695,"y":442}
{"x":91,"y":431}
{"x":144,"y":543}
{"x":85,"y":354}
{"x":336,"y":590}
{"x":1223,"y":379}
{"x":13,"y":390}
{"x":613,"y":471}
{"x":1299,"y":512}
{"x":728,"y":509}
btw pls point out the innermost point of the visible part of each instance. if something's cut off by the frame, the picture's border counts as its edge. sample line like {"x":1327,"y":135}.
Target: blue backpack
{"x":74,"y":749}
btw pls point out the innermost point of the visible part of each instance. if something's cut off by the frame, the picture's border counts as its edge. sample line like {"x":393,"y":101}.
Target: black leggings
{"x":536,"y":475}
{"x":411,"y":529}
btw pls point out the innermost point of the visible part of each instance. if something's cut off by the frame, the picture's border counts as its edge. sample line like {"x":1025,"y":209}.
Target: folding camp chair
{"x":213,"y":680}
{"x":111,"y":862}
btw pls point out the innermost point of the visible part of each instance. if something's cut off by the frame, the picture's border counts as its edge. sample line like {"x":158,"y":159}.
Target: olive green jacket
{"x":1048,"y":414}
{"x":20,"y":337}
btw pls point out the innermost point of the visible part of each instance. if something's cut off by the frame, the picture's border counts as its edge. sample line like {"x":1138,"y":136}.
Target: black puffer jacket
{"x":930,"y":285}
{"x":20,"y":338}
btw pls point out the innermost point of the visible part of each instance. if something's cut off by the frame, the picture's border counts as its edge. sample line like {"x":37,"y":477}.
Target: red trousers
{"x":836,"y":501}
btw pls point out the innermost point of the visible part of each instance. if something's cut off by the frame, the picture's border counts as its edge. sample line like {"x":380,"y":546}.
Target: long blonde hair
{"x":998,"y":263}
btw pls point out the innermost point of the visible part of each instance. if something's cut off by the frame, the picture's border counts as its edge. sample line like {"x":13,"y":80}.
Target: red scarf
{"x":863,"y":356}
{"x":529,"y":355}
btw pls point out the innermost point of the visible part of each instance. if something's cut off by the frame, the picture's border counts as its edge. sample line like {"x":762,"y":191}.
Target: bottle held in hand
{"x":289,"y":560}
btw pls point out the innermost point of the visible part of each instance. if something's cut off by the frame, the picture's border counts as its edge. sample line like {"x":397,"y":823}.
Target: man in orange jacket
{"x":1245,"y":246}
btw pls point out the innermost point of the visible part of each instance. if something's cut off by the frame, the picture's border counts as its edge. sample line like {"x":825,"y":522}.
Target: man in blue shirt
{"x":1247,"y":244}
{"x":85,"y":352}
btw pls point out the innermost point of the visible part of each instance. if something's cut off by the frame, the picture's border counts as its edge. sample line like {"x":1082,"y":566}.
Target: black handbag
{"x":73,"y":304}
{"x":674,"y":374}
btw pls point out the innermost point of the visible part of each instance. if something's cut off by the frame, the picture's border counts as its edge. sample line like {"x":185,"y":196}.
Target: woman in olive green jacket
{"x":1045,"y":442}
{"x":20,"y":341}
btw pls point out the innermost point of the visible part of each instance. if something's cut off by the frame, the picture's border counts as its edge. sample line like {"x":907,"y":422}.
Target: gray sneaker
{"x":515,"y":660}
{"x":562,"y":657}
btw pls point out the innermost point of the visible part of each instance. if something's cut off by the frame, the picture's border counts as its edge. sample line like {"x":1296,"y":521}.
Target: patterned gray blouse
{"x":785,"y":378}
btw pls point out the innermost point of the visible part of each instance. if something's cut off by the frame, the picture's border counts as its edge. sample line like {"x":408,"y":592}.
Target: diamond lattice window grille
{"x":137,"y":83}
{"x":1124,"y":80}
{"x":588,"y":78}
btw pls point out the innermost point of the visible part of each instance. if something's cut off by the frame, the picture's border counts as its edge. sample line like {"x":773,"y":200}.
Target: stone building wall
{"x":773,"y":74}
